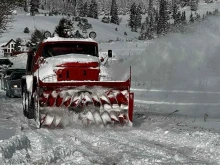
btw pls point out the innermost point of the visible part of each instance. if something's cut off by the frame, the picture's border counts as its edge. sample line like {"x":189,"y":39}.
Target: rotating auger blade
{"x":94,"y":106}
{"x":48,"y":120}
{"x":106,"y":118}
{"x":57,"y":121}
{"x":98,"y":119}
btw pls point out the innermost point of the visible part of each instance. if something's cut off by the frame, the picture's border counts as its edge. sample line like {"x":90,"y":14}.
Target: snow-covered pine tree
{"x":114,"y":13}
{"x":17,"y":45}
{"x":95,"y":6}
{"x":80,"y":25}
{"x":203,"y":17}
{"x":111,"y":7}
{"x":93,"y":10}
{"x":138,"y":16}
{"x":144,"y":29}
{"x":162,"y":26}
{"x":37,"y":36}
{"x":90,"y":10}
{"x":198,"y":17}
{"x":25,"y":6}
{"x":194,"y":5}
{"x":133,"y":13}
{"x":191,"y":18}
{"x":185,"y":3}
{"x":150,"y":9}
{"x":34,"y":7}
{"x":183,"y":17}
{"x":26,"y":30}
{"x":85,"y":8}
{"x":63,"y":26}
{"x":72,"y":3}
{"x":151,"y":21}
{"x":6,"y":7}
{"x":151,"y":27}
{"x":81,"y":9}
{"x":178,"y":18}
{"x":175,"y":11}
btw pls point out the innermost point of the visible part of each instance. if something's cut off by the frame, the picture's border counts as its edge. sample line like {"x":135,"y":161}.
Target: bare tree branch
{"x":6,"y":9}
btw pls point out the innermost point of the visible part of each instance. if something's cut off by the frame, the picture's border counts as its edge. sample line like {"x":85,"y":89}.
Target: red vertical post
{"x":131,"y":106}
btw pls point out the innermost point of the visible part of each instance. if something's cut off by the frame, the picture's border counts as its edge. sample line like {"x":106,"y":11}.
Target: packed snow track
{"x":154,"y":139}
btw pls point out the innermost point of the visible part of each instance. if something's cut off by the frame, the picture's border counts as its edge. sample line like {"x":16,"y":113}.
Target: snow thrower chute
{"x":63,"y":79}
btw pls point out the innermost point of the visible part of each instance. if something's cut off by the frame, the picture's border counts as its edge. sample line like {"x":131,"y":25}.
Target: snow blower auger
{"x":62,"y":81}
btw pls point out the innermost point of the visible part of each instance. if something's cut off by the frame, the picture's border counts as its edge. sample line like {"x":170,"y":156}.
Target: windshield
{"x":9,"y":71}
{"x":4,"y":62}
{"x":69,"y":48}
{"x":17,"y":76}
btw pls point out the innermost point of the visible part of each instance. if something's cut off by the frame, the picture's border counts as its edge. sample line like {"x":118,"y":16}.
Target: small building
{"x":8,"y":48}
{"x":24,"y":45}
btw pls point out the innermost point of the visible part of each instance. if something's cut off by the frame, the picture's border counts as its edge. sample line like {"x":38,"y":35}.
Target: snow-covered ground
{"x":176,"y":83}
{"x":154,"y":139}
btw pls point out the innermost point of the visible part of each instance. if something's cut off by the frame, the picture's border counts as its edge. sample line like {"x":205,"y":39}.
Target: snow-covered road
{"x":154,"y":139}
{"x":190,"y":103}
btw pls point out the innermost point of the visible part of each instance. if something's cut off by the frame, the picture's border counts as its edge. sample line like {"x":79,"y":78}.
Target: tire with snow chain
{"x":30,"y":101}
{"x":28,"y":107}
{"x":37,"y":115}
{"x":24,"y":103}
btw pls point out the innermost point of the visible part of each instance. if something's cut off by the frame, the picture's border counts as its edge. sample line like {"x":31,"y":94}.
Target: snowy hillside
{"x":105,"y":32}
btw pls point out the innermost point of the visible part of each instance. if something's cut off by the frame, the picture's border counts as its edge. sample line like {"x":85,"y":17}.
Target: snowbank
{"x":19,"y":61}
{"x":14,"y":144}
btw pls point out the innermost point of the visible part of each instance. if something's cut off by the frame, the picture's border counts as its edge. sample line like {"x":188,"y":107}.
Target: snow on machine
{"x":63,"y":81}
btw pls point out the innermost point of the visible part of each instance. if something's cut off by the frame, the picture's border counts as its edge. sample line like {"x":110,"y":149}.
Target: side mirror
{"x":110,"y":53}
{"x":10,"y":65}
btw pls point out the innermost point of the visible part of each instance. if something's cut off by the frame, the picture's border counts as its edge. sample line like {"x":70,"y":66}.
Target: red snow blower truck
{"x":62,"y":82}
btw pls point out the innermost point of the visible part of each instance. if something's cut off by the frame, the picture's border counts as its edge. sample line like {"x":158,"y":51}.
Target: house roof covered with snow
{"x":8,"y":43}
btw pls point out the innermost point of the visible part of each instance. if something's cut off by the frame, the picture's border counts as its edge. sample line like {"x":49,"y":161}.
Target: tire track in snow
{"x":57,"y":148}
{"x":196,"y":146}
{"x":126,"y":148}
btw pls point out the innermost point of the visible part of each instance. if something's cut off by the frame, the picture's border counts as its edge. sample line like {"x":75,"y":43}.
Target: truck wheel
{"x":24,"y":102}
{"x":30,"y":101}
{"x":37,"y":115}
{"x":27,"y":104}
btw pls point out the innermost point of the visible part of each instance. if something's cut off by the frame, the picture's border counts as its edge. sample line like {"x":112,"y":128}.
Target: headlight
{"x":15,"y":86}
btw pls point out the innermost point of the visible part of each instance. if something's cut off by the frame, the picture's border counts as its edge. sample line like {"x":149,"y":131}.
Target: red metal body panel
{"x":107,"y":84}
{"x":77,"y":74}
{"x":78,"y":71}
